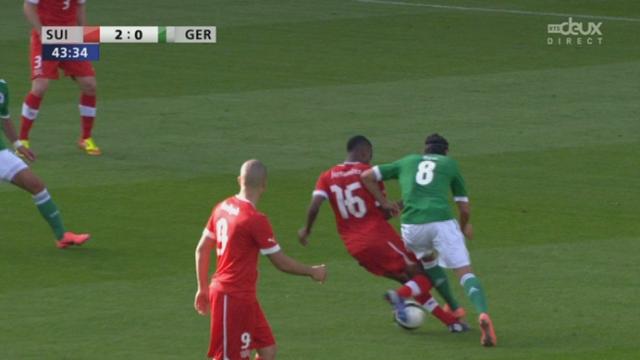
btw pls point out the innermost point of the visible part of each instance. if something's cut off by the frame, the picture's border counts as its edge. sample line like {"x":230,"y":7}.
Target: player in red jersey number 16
{"x":239,"y":232}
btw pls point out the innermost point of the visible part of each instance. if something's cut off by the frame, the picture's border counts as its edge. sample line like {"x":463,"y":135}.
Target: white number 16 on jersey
{"x":348,"y":202}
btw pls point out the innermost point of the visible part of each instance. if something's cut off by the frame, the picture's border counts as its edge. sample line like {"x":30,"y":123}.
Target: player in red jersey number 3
{"x":41,"y":13}
{"x":238,"y":232}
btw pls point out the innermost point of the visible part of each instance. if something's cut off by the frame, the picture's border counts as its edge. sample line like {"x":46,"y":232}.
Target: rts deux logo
{"x":574,"y":33}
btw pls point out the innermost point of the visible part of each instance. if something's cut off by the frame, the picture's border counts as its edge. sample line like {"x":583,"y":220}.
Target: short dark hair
{"x":356,"y":142}
{"x":436,"y":144}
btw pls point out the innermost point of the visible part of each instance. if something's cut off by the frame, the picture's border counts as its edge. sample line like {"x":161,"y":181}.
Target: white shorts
{"x":10,"y":165}
{"x":445,"y":237}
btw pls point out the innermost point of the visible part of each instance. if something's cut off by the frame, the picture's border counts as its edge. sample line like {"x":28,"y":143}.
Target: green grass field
{"x":547,"y":137}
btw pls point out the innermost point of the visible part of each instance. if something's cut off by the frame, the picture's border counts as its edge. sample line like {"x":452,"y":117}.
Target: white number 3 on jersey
{"x":66,"y":4}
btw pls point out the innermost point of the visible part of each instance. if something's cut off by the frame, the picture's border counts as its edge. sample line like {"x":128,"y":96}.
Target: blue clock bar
{"x":71,"y":52}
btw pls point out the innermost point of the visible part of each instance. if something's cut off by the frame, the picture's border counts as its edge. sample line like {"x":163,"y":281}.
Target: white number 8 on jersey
{"x":424,"y":176}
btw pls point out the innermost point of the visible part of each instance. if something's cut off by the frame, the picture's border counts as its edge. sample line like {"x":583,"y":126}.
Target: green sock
{"x":474,"y":291}
{"x":49,"y":212}
{"x":441,"y":282}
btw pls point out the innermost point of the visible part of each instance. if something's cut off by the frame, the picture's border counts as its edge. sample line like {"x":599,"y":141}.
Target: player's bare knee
{"x":267,"y":353}
{"x":37,"y":186}
{"x":39,"y":87}
{"x":462,"y":271}
{"x":412,"y":270}
{"x":33,"y":184}
{"x":28,"y":181}
{"x":88,"y":85}
{"x":401,"y":278}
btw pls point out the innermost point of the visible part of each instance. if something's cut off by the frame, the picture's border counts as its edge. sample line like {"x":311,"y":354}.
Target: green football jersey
{"x":426,"y":182}
{"x":4,"y":106}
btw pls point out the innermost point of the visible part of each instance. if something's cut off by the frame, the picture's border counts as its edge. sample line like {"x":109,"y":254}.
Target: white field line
{"x":502,"y":11}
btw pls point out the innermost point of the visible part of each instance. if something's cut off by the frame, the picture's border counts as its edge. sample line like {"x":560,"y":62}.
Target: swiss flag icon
{"x":91,"y":34}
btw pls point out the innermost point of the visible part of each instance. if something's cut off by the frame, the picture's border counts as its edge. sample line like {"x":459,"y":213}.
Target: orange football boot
{"x":458,"y":314}
{"x":488,"y":337}
{"x":70,"y":239}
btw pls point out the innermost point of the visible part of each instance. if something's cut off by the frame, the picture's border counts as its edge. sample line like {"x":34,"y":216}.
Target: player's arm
{"x":82,"y":14}
{"x":370,"y":179}
{"x":30,"y":9}
{"x":10,"y":131}
{"x":459,"y":191}
{"x":203,"y":259}
{"x":464,"y":211}
{"x":312,"y":214}
{"x":290,"y":266}
{"x":265,"y":240}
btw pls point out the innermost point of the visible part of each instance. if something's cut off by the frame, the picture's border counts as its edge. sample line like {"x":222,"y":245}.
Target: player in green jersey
{"x":16,"y":171}
{"x":428,"y":225}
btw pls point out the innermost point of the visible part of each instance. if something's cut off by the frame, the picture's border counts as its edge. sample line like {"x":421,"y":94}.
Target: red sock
{"x":30,"y":109}
{"x":431,"y":305}
{"x":418,"y":285}
{"x":404,"y":291}
{"x":88,"y":114}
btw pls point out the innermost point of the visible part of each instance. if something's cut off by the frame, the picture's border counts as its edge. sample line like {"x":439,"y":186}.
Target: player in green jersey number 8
{"x":428,"y":225}
{"x":14,"y":170}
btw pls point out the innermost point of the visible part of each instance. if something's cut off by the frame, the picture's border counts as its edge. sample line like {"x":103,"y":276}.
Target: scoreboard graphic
{"x":82,"y":43}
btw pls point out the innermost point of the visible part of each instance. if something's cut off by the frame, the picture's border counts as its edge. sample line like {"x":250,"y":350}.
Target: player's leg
{"x":218,"y":313}
{"x":475,"y":292}
{"x":418,"y":242}
{"x":31,"y":107}
{"x":267,"y":353}
{"x":380,"y":260}
{"x":472,"y":287}
{"x":440,"y":281}
{"x":87,"y":104}
{"x":262,"y":337}
{"x":453,"y":252}
{"x":27,"y":180}
{"x":41,"y":72}
{"x":419,"y":287}
{"x":84,"y":75}
{"x":233,"y":323}
{"x":431,"y":305}
{"x":420,"y":238}
{"x":390,"y":256}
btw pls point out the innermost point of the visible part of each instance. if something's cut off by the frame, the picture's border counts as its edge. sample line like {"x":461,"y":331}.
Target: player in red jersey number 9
{"x":239,"y":232}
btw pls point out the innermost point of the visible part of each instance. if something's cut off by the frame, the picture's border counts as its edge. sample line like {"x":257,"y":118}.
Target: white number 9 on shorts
{"x":246,"y":340}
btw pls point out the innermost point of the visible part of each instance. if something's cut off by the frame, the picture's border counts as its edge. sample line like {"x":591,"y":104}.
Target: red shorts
{"x":384,"y":254}
{"x":49,"y":69}
{"x":238,"y":326}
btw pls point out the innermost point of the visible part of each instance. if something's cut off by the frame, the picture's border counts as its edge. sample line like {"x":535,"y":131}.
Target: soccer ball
{"x":415,"y":316}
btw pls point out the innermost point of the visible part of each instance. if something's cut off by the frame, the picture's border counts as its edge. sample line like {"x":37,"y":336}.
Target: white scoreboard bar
{"x":128,"y":34}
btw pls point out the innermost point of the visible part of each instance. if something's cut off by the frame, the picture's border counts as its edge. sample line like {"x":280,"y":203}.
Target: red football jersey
{"x":356,"y":210}
{"x":58,"y":12}
{"x":240,"y":231}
